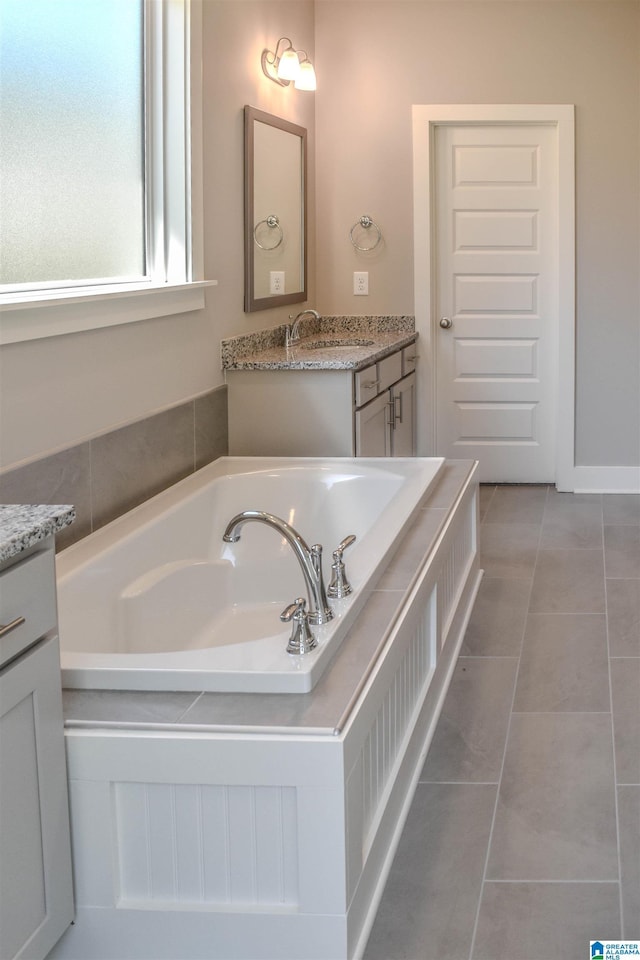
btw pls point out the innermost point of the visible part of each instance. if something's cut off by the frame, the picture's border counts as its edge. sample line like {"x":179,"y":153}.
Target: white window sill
{"x":70,"y":311}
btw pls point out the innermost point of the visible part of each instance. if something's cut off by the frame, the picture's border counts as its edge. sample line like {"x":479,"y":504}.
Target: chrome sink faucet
{"x":293,"y":330}
{"x":309,"y":558}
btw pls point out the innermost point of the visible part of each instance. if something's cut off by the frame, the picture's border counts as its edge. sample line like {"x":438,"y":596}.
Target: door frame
{"x":426,"y":118}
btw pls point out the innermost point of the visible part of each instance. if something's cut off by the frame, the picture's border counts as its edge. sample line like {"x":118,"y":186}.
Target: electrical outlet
{"x":360,"y":283}
{"x":276,"y":281}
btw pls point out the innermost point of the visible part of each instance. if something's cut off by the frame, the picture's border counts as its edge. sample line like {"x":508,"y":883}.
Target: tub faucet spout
{"x":293,"y":331}
{"x":309,"y":558}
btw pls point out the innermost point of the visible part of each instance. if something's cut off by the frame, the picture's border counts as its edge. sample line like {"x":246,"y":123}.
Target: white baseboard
{"x":606,"y":479}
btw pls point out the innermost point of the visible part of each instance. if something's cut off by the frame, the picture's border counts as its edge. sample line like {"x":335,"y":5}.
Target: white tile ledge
{"x":72,"y":310}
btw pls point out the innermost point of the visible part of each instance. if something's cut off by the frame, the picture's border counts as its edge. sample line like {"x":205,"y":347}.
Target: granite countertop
{"x":24,"y":525}
{"x":367,"y":339}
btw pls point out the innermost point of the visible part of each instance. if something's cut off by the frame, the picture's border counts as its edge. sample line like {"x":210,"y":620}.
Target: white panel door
{"x":496,"y":269}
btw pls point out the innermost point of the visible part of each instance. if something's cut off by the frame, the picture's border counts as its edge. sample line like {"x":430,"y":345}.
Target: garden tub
{"x":156,"y":600}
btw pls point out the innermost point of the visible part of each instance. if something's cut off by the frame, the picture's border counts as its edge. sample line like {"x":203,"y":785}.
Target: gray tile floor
{"x":523,"y":839}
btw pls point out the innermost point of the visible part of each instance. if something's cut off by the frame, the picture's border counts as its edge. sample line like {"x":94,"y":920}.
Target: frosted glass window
{"x":72,"y":204}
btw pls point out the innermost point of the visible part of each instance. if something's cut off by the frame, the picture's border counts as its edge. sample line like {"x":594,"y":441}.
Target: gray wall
{"x":234,"y":36}
{"x":61,"y":391}
{"x":109,"y":474}
{"x":376,"y":59}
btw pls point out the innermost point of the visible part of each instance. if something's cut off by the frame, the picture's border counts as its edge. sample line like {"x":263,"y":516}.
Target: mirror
{"x":275,"y":262}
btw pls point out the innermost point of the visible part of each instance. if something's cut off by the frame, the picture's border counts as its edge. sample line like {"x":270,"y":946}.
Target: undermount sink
{"x":337,"y":344}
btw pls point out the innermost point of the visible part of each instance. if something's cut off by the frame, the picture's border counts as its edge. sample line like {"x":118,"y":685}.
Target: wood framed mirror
{"x":275,"y":204}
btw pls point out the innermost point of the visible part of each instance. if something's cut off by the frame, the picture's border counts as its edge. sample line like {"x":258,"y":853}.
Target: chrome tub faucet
{"x":309,"y":558}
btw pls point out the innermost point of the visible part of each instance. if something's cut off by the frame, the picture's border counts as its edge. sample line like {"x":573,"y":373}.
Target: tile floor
{"x":523,"y":839}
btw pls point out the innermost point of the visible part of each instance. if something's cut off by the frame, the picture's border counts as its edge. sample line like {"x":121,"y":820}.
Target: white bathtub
{"x":156,"y":600}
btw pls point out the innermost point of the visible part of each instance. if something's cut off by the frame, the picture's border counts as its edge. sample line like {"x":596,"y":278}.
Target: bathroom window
{"x":95,"y":162}
{"x":72,"y":141}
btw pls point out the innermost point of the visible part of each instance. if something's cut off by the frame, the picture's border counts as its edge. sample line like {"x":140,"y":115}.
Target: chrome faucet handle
{"x":344,"y":544}
{"x":323,"y":612}
{"x":301,"y":640}
{"x":289,"y":337}
{"x":340,"y":586}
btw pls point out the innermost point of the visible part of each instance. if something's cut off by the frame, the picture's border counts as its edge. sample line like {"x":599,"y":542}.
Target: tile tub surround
{"x":540,"y":736}
{"x":266,"y":350}
{"x":111,"y":473}
{"x":24,"y":525}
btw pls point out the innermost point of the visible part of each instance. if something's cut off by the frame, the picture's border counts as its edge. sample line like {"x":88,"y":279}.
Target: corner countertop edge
{"x":24,"y":525}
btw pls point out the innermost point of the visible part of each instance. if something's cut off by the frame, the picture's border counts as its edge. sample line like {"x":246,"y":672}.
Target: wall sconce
{"x":290,"y":64}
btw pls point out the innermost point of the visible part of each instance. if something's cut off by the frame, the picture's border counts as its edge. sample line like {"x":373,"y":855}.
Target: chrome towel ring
{"x":274,"y":224}
{"x":366,"y":223}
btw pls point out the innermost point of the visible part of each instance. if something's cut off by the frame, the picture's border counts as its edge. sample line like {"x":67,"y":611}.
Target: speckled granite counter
{"x":266,"y":350}
{"x":321,"y":710}
{"x":24,"y":525}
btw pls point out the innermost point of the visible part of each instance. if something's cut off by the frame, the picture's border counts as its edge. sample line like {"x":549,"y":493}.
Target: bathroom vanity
{"x":384,"y":405}
{"x":345,"y":389}
{"x":36,"y":894}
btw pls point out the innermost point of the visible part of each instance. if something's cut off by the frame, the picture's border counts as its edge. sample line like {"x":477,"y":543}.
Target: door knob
{"x":445,"y":323}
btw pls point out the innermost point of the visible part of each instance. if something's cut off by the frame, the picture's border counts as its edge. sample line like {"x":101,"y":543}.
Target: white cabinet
{"x":325,"y":413}
{"x":373,"y":433}
{"x":404,"y":418}
{"x":36,"y":894}
{"x":385,"y":427}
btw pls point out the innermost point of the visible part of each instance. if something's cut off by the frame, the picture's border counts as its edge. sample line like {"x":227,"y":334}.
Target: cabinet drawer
{"x":28,"y":590}
{"x":409,"y":358}
{"x":377,"y":378}
{"x":389,"y":370}
{"x":366,"y":384}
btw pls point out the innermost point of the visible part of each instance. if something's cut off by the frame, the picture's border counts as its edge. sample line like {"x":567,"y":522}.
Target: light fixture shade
{"x":306,"y":79}
{"x":289,"y":65}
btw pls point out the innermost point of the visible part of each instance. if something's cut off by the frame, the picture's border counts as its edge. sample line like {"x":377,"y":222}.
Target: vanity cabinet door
{"x":386,"y":426}
{"x":36,"y":892}
{"x":403,"y":434}
{"x":36,"y":895}
{"x":373,"y":435}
